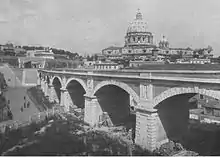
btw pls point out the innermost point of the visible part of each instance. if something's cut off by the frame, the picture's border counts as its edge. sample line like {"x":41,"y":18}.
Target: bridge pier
{"x":52,"y":92}
{"x":53,"y":96}
{"x":69,"y":101}
{"x":38,"y":80}
{"x":50,"y":87}
{"x":146,"y":129}
{"x":63,"y":99}
{"x":43,"y":86}
{"x":46,"y":89}
{"x":92,"y":110}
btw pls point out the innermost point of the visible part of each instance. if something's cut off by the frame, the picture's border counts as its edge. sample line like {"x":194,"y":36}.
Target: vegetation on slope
{"x":65,"y":137}
{"x":37,"y":96}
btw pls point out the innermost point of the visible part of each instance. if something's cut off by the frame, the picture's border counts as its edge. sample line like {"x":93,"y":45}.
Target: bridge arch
{"x":81,"y":82}
{"x":184,"y":90}
{"x":40,"y":75}
{"x":121,"y":85}
{"x":59,"y":78}
{"x":48,"y":79}
{"x":57,"y":83}
{"x":117,"y":102}
{"x":174,"y":107}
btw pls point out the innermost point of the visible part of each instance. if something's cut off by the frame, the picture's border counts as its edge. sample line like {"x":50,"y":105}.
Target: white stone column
{"x":69,"y":101}
{"x":49,"y":90}
{"x":146,"y":129}
{"x":92,"y":110}
{"x":143,"y":91}
{"x":38,"y":80}
{"x":150,"y":92}
{"x":151,"y":40}
{"x":136,"y":39}
{"x":63,"y":99}
{"x":52,"y":93}
{"x":42,"y":85}
{"x":46,"y":89}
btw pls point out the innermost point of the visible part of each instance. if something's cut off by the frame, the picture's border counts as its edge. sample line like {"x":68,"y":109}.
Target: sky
{"x":88,"y":26}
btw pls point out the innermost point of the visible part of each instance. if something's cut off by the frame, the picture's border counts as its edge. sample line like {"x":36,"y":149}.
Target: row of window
{"x":138,"y":39}
{"x":106,"y":67}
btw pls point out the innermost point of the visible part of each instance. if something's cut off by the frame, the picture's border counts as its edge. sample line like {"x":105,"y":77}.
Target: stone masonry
{"x":143,"y":88}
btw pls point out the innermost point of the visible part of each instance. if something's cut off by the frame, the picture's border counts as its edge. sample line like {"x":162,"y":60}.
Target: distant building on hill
{"x":208,"y":110}
{"x":112,"y":52}
{"x":46,"y":53}
{"x":31,"y":62}
{"x":194,"y":61}
{"x":133,"y":64}
{"x":140,"y":45}
{"x":107,"y":66}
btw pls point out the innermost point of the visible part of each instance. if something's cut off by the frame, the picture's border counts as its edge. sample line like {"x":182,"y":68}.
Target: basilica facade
{"x":139,"y":44}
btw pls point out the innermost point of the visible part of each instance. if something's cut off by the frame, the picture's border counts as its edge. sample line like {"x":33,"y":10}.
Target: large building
{"x":139,"y":45}
{"x":45,"y":53}
{"x":138,"y":41}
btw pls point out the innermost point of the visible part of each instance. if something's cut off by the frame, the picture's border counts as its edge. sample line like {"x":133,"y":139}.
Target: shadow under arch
{"x":76,"y":92}
{"x":56,"y":82}
{"x":174,"y":124}
{"x":121,"y":85}
{"x":182,"y":90}
{"x":48,"y":80}
{"x":115,"y":103}
{"x":81,"y":82}
{"x":40,"y":75}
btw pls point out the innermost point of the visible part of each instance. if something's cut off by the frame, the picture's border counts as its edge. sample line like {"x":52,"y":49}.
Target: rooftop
{"x":112,"y":48}
{"x":210,"y":104}
{"x":191,"y":67}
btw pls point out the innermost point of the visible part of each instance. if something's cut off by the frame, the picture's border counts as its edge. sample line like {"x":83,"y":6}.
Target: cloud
{"x":84,"y":25}
{"x":3,"y":19}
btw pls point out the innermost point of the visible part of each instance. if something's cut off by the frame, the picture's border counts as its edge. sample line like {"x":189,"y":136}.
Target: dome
{"x":164,"y":40}
{"x":137,"y":33}
{"x":138,"y":25}
{"x":163,"y":43}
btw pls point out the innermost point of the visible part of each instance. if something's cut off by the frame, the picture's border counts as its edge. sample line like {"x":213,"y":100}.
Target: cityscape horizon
{"x":104,"y":24}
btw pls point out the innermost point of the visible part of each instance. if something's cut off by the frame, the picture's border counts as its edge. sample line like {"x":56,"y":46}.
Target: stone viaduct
{"x":158,"y":98}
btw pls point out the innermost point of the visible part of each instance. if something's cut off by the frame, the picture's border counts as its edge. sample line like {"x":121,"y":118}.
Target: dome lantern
{"x":164,"y":43}
{"x":138,"y":15}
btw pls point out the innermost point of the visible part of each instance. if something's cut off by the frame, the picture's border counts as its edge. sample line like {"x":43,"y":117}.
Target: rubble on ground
{"x":174,"y":149}
{"x":78,"y":113}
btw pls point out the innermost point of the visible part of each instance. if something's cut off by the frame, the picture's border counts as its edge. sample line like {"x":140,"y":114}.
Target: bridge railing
{"x":142,"y":73}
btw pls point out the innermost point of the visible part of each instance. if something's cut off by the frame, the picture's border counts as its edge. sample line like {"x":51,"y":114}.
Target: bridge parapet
{"x":171,"y":75}
{"x":146,"y":88}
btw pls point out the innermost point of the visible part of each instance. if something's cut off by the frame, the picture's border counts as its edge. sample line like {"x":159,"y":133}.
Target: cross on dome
{"x":138,"y":15}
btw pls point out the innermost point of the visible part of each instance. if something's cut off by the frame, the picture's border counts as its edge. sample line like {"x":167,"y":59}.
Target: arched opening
{"x":116,"y":107}
{"x":47,"y":80}
{"x":76,"y":93}
{"x":57,"y":85}
{"x":28,"y":64}
{"x":40,"y":75}
{"x":182,"y":120}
